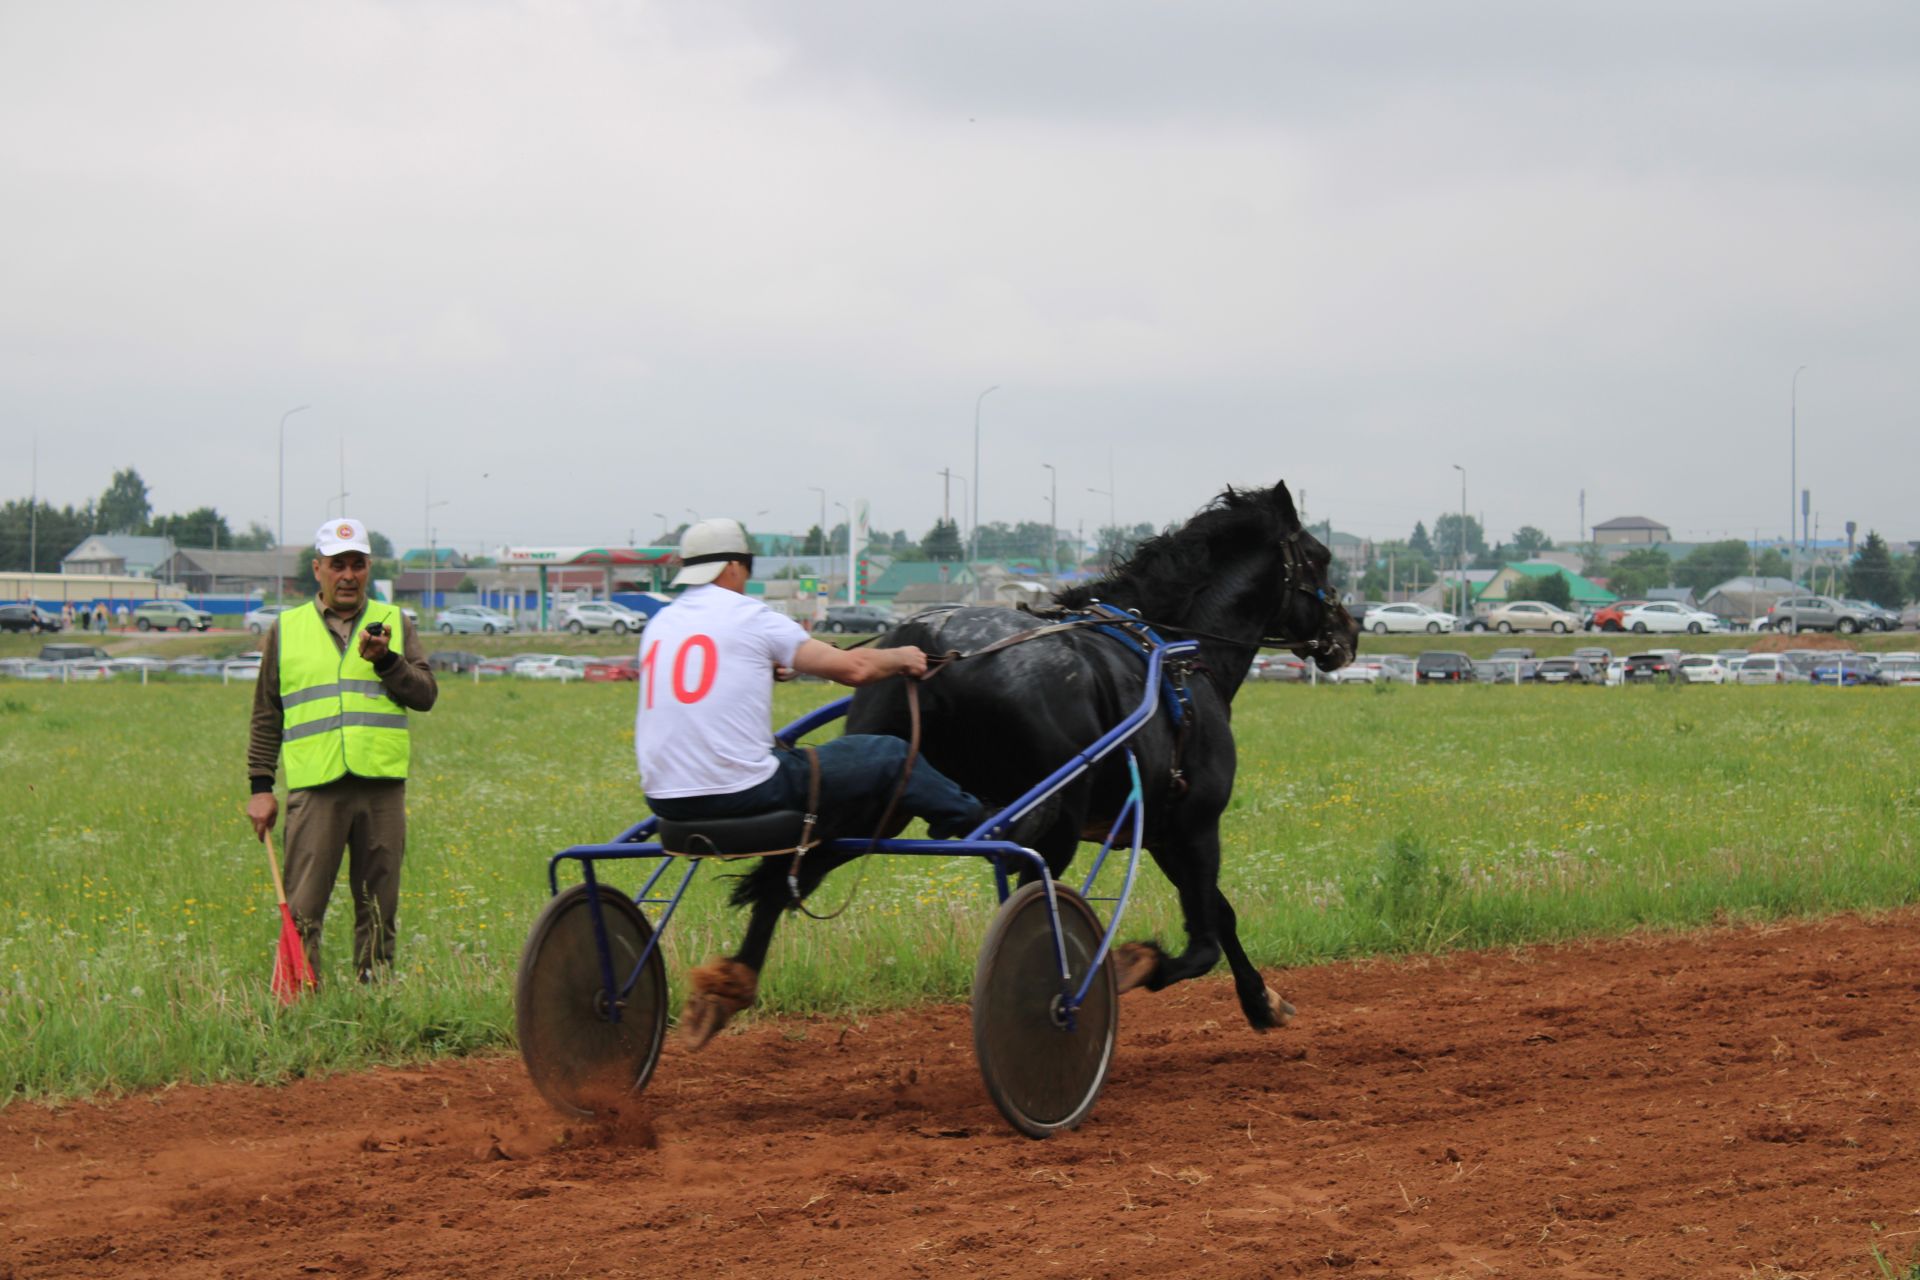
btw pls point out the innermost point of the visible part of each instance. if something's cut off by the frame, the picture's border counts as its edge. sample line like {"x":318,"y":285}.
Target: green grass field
{"x":137,"y":918}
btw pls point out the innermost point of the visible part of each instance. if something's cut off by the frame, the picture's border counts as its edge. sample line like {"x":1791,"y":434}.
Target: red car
{"x":606,"y":669}
{"x":1607,"y":617}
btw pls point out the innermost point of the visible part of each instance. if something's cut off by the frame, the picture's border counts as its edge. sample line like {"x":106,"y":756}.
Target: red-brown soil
{"x":1734,"y":1103}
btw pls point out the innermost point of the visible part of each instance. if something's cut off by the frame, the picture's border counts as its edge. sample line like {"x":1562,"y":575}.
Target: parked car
{"x":527,"y":664}
{"x":1276,"y":666}
{"x":72,"y":653}
{"x":1531,"y":615}
{"x":1814,"y":613}
{"x":1503,"y":671}
{"x":612,"y":669}
{"x":1668,"y":616}
{"x":1878,"y":617}
{"x":25,"y":616}
{"x":601,"y":615}
{"x":472,"y":619}
{"x":1397,"y":666}
{"x":1607,"y":616}
{"x":1359,"y":671}
{"x":1703,"y":668}
{"x":1643,"y":667}
{"x":1765,"y":668}
{"x":1407,"y":617}
{"x":1568,"y":671}
{"x":857,"y":618}
{"x":559,"y":666}
{"x":1845,"y":669}
{"x":260,"y":620}
{"x":1904,"y":672}
{"x":1596,"y":656}
{"x":456,"y":661}
{"x":1443,"y":666}
{"x":158,"y":615}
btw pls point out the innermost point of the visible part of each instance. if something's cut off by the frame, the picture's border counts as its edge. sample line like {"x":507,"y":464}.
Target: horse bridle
{"x":1291,"y":571}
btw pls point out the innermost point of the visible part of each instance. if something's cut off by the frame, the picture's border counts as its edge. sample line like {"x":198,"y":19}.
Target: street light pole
{"x":280,"y":530}
{"x":843,"y":506}
{"x":1793,"y":472}
{"x":426,"y":519}
{"x":975,"y":553}
{"x":1053,"y":522}
{"x":1463,"y":542}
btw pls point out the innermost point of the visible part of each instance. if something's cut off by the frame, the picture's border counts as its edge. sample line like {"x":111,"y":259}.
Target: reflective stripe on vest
{"x":336,"y":717}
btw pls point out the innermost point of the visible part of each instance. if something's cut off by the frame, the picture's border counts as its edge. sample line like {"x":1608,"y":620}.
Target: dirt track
{"x":1739,"y":1103}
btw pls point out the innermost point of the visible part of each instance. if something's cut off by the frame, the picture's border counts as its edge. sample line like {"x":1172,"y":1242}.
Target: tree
{"x":1551,"y":588}
{"x":1419,"y":541}
{"x":815,"y":543}
{"x":1446,"y":538}
{"x":203,"y":527}
{"x":1871,"y":576}
{"x":942,"y":542}
{"x":1770,"y":564}
{"x":48,"y":532}
{"x":257,"y":538}
{"x":124,"y":507}
{"x":1529,"y":541}
{"x":382,"y":546}
{"x":1117,"y":542}
{"x":1639,"y":571}
{"x":1712,"y":563}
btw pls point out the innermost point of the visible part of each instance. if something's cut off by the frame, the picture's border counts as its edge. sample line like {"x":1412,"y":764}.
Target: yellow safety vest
{"x":336,"y":717}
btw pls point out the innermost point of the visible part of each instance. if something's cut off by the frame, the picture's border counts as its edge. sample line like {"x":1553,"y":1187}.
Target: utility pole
{"x":33,"y":514}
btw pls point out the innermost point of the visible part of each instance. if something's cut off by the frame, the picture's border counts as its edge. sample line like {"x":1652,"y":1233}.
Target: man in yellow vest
{"x":337,"y":678}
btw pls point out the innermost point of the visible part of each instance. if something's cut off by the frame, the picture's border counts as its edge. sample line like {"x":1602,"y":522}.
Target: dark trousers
{"x":366,"y":819}
{"x":858,"y":775}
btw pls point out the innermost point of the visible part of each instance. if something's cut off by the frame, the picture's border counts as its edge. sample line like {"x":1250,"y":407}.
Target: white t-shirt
{"x":704,"y":726}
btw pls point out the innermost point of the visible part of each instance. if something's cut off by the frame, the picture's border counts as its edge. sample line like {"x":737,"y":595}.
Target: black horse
{"x":1240,"y":574}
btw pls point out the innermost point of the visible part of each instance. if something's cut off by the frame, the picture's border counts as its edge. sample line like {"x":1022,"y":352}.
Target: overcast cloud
{"x":583,"y":263}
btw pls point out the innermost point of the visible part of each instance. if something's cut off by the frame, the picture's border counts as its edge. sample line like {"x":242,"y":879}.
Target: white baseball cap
{"x":707,"y":547}
{"x":340,"y":535}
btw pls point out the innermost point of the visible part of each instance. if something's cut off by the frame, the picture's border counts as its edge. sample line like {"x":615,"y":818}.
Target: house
{"x":205,"y":572}
{"x":951,"y":580}
{"x":1499,"y":589}
{"x":119,"y":554}
{"x":1743,"y":599}
{"x":1631,"y":531}
{"x":1355,"y":553}
{"x":1678,"y":595}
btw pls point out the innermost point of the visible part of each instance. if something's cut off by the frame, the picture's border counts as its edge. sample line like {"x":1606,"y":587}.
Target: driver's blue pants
{"x":858,"y":775}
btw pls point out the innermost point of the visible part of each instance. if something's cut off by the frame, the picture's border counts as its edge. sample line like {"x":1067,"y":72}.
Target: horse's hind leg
{"x":724,"y":986}
{"x":1192,"y":867}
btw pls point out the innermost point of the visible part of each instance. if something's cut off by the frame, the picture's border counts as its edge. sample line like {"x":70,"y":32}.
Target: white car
{"x":1384,"y":618}
{"x":601,"y":615}
{"x":1703,"y":668}
{"x":260,"y":621}
{"x":1358,"y":673}
{"x":1667,"y":616}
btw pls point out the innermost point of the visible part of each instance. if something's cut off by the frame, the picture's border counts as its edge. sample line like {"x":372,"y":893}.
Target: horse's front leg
{"x":1193,"y":865}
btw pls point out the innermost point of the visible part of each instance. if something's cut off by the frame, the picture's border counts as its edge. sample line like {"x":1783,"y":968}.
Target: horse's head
{"x":1308,"y":616}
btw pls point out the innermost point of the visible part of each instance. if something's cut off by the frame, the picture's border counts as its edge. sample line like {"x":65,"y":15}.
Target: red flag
{"x":291,"y":972}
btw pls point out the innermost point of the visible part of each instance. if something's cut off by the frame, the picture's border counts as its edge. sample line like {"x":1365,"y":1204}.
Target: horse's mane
{"x":1166,"y":571}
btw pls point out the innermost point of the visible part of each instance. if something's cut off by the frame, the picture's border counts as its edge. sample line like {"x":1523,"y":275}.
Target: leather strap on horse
{"x":879,"y":832}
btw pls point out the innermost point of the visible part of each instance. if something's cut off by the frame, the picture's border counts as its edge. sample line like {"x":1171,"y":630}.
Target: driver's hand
{"x":372,"y":647}
{"x":784,"y":674}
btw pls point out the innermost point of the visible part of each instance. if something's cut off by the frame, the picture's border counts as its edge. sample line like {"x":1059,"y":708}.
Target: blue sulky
{"x":565,"y":1050}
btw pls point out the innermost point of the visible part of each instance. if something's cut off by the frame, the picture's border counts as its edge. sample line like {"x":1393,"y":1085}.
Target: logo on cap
{"x":344,"y":531}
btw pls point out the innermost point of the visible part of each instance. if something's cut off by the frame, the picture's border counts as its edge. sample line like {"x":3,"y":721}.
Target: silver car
{"x":473,"y":619}
{"x":601,"y":615}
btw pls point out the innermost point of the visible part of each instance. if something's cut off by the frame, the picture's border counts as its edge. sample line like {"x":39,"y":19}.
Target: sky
{"x":567,"y":273}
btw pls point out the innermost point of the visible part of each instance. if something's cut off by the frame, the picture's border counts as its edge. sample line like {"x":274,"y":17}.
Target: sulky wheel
{"x":581,"y":1061}
{"x":1043,"y":1077}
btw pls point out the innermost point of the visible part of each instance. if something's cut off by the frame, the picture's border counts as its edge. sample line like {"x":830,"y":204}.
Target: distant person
{"x":120,"y":614}
{"x":82,"y":619}
{"x":100,"y":617}
{"x":66,"y":616}
{"x":337,"y":678}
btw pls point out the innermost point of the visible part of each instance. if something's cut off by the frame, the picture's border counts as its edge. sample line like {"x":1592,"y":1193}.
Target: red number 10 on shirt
{"x":682,"y":692}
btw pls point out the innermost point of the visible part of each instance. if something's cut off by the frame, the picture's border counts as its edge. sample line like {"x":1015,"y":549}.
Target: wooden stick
{"x":279,"y":889}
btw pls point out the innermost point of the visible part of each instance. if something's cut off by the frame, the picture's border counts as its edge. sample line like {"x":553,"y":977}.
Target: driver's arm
{"x":857,"y":666}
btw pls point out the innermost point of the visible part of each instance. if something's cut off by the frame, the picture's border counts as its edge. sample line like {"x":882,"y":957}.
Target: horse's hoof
{"x":1283,"y":1012}
{"x":1135,"y":963}
{"x":716,"y":991}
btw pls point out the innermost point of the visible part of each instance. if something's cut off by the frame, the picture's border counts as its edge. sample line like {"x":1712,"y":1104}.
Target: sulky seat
{"x":755,"y":837}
